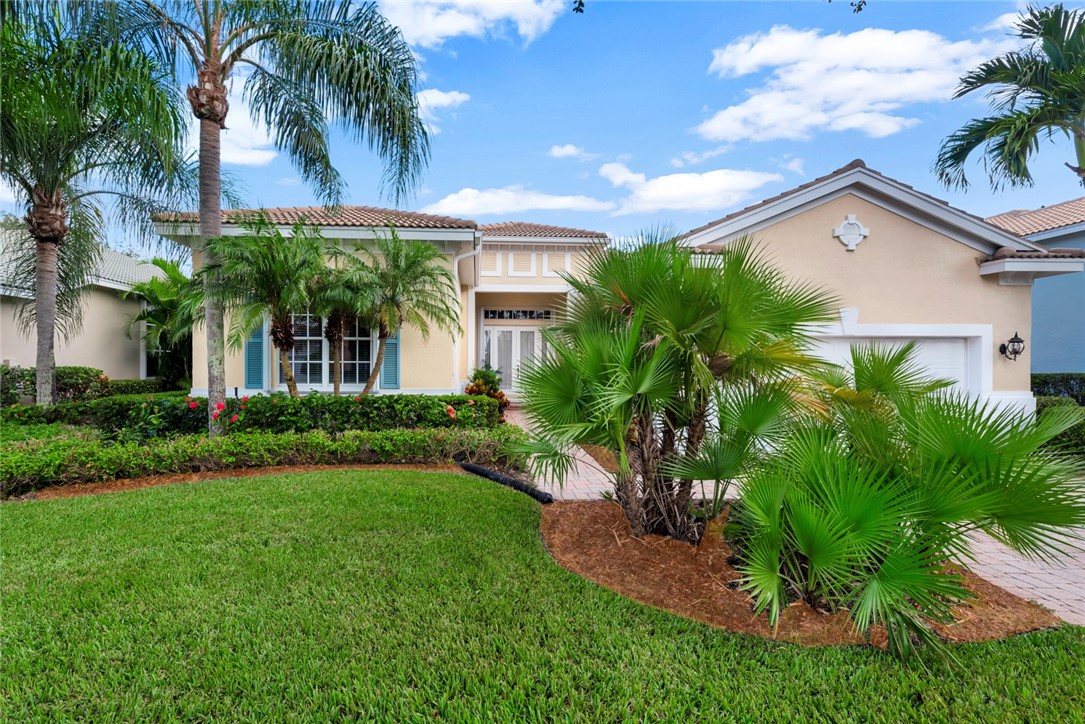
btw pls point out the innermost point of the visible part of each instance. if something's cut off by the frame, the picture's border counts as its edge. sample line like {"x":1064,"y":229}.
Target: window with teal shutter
{"x":254,"y":360}
{"x":390,"y":366}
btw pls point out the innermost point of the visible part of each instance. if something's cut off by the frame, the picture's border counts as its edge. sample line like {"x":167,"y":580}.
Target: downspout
{"x":476,"y":247}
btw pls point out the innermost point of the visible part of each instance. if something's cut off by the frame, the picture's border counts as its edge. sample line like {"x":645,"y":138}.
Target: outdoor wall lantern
{"x":1012,"y":348}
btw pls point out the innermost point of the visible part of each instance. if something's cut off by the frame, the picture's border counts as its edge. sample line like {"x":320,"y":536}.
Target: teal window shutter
{"x":390,"y":366}
{"x":254,"y":360}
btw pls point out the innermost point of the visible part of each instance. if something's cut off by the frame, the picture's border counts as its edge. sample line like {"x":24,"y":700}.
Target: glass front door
{"x":506,"y":349}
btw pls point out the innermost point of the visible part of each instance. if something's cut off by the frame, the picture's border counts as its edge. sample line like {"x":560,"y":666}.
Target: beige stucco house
{"x":103,"y":341}
{"x":509,"y":286}
{"x":906,"y":266}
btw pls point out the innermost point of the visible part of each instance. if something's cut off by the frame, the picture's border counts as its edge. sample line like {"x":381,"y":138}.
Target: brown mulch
{"x":116,"y":486}
{"x":593,"y":539}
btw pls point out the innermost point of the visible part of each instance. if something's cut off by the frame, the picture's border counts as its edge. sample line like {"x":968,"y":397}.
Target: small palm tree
{"x":301,"y":63}
{"x":655,"y":340}
{"x":173,"y":306}
{"x":1037,"y":93}
{"x":89,"y":128}
{"x":407,"y":283}
{"x":337,"y":298}
{"x":262,"y":273}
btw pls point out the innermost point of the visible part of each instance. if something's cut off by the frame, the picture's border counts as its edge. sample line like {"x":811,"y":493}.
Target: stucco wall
{"x":545,"y":273}
{"x":1058,"y":317}
{"x":903,"y":273}
{"x":102,"y":343}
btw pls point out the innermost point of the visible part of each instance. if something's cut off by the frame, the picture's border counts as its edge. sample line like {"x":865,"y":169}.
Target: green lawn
{"x":404,"y":596}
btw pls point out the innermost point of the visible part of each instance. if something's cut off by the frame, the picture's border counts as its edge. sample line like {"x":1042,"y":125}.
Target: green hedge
{"x":1060,"y":384}
{"x":72,"y":383}
{"x":1073,"y":440}
{"x":173,"y":413}
{"x":134,"y":387}
{"x":37,"y":464}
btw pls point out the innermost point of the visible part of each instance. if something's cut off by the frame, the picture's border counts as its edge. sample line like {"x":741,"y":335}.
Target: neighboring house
{"x":906,"y":266}
{"x":509,"y":287}
{"x":103,"y":341}
{"x":1058,"y":305}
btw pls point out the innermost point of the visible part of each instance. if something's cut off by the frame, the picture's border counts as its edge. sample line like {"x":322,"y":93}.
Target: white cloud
{"x":571,"y":151}
{"x":511,"y":200}
{"x":7,"y":194}
{"x":692,"y":158}
{"x":428,"y":23}
{"x":708,"y":191}
{"x":838,"y":82}
{"x":431,"y":101}
{"x":289,"y":181}
{"x":244,"y":143}
{"x":793,"y":164}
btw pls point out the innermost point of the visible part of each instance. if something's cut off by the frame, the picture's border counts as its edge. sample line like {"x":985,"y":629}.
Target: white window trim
{"x":497,"y":271}
{"x":512,"y":271}
{"x":548,"y":272}
{"x":326,"y":368}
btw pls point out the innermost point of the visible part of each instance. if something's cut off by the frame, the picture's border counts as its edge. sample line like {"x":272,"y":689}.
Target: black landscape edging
{"x":539,"y":495}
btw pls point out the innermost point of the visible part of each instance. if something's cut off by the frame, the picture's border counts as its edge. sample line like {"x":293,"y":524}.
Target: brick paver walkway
{"x":1060,"y":588}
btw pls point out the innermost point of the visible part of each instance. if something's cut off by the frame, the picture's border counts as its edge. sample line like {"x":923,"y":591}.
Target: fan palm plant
{"x":1037,"y":93}
{"x":172,"y":307}
{"x":89,"y":128}
{"x":262,"y":273}
{"x":656,"y":343}
{"x":302,"y":62}
{"x":407,"y":283}
{"x":864,"y":508}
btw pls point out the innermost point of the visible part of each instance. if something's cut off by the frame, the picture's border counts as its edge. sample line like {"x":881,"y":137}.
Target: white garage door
{"x":943,"y":357}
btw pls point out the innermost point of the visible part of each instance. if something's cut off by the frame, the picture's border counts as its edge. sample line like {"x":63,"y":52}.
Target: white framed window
{"x":555,"y":263}
{"x":490,"y":264}
{"x":521,"y":263}
{"x":310,"y":359}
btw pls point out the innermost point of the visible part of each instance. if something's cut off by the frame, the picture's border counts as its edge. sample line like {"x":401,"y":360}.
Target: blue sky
{"x":644,"y":113}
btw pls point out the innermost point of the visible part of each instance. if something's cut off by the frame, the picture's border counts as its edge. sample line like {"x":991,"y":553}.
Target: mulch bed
{"x":593,"y":539}
{"x":116,"y":486}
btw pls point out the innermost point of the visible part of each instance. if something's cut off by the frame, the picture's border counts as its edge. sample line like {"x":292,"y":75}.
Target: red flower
{"x":220,"y":406}
{"x":233,"y":419}
{"x":451,"y":412}
{"x":193,"y":405}
{"x":245,"y":398}
{"x":358,"y":398}
{"x":215,"y":415}
{"x":243,"y":407}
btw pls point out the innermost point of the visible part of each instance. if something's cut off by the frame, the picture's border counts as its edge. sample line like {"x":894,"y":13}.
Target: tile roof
{"x":524,"y":228}
{"x":1024,"y":222}
{"x":857,"y":163}
{"x":114,"y":268}
{"x":367,"y":216}
{"x":1008,"y":253}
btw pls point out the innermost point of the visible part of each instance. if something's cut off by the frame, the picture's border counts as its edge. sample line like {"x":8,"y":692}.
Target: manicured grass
{"x":403,"y":596}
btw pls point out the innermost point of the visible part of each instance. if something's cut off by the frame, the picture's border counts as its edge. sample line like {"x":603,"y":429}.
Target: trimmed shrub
{"x":1060,"y":384}
{"x":72,"y":384}
{"x":37,"y":464}
{"x":1073,"y":440}
{"x":134,"y":387}
{"x":101,"y":412}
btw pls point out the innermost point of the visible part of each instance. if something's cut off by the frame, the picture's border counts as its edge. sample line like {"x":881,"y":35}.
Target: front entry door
{"x":506,"y":349}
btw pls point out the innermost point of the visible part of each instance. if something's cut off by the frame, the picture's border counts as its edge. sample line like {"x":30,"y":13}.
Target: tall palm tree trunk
{"x":208,"y":100}
{"x":288,"y":373}
{"x":47,"y":224}
{"x":375,"y":372}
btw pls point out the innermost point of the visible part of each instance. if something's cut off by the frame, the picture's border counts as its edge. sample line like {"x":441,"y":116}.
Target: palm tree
{"x":408,"y":284}
{"x":337,"y":298}
{"x":1037,"y":93}
{"x":87,"y":126}
{"x":302,"y":62}
{"x":655,"y":341}
{"x":173,"y":307}
{"x":263,"y":273}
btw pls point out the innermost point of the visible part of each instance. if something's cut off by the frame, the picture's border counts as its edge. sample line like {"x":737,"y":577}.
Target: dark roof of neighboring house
{"x":525,"y":228}
{"x":368,"y":216}
{"x":1024,"y":222}
{"x":857,"y":163}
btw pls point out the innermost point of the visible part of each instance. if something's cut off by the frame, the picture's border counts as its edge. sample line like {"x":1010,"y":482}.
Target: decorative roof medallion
{"x":851,"y":232}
